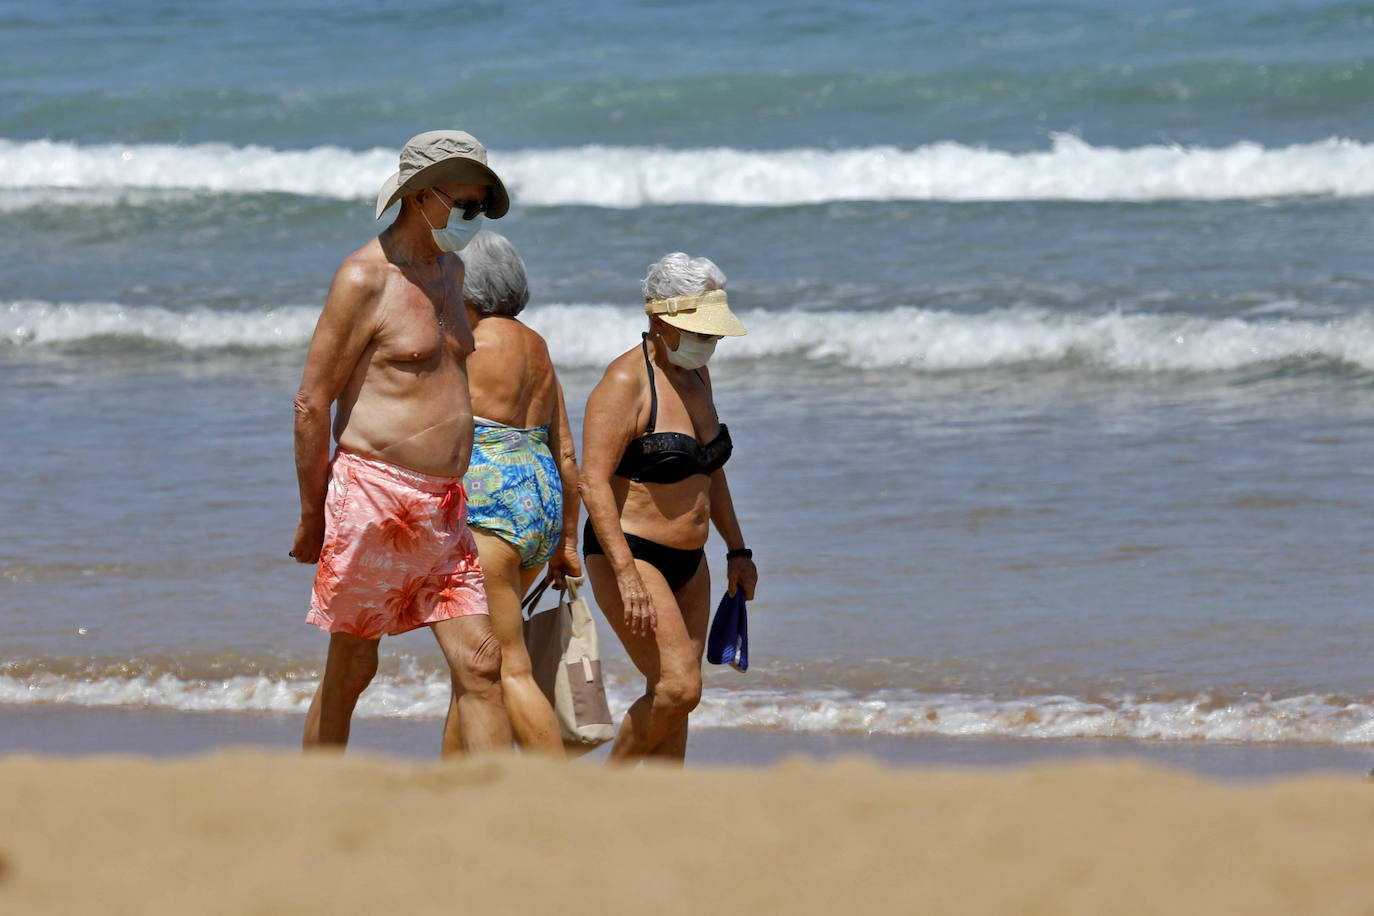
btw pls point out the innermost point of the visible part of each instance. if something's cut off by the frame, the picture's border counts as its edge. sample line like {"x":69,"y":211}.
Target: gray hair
{"x":678,"y":275}
{"x":494,"y":280}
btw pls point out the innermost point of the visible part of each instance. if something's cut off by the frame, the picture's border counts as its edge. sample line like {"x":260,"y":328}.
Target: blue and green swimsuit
{"x":514,"y":490}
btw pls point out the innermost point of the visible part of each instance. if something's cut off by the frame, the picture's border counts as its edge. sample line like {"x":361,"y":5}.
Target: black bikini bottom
{"x":678,"y":566}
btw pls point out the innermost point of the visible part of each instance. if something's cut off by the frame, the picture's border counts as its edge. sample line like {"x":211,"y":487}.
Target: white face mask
{"x":457,"y":232}
{"x":692,"y":352}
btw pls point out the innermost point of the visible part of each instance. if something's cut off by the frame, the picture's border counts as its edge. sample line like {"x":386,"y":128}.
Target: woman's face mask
{"x":693,"y":350}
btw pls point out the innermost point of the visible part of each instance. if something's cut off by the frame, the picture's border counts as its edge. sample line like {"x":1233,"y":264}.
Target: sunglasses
{"x":469,"y":208}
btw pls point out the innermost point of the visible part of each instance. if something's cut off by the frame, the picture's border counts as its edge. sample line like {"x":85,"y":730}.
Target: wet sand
{"x":82,"y":731}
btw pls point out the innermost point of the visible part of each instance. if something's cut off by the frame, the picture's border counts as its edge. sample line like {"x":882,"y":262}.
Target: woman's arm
{"x":612,"y":418}
{"x":564,"y":561}
{"x":740,"y":570}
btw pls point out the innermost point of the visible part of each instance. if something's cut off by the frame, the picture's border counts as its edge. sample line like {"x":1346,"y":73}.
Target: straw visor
{"x":708,"y":313}
{"x":438,"y":157}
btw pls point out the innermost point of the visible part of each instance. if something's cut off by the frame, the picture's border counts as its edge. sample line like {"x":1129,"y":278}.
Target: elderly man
{"x":384,"y":518}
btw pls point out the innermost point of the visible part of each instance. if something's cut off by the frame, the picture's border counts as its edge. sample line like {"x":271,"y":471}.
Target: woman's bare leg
{"x":694,"y":599}
{"x":531,"y":717}
{"x":669,"y":658}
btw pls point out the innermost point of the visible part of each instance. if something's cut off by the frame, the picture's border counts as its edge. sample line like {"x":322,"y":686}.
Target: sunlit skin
{"x":512,"y":381}
{"x":664,"y":632}
{"x":389,"y":354}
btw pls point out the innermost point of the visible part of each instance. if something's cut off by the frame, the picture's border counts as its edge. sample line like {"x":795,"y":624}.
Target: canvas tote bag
{"x":563,"y":651}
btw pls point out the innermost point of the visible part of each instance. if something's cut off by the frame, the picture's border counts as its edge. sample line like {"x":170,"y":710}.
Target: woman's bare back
{"x":510,"y":374}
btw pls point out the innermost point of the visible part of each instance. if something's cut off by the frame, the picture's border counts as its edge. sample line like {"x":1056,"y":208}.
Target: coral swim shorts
{"x":397,"y":553}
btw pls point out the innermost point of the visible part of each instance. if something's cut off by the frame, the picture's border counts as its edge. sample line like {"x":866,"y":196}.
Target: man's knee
{"x":479,"y":660}
{"x":351,"y":667}
{"x":361,"y":670}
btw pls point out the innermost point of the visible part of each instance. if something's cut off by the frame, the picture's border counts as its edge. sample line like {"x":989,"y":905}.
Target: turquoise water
{"x":1054,"y":416}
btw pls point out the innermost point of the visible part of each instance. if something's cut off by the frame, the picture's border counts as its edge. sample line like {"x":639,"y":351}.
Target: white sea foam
{"x":1071,"y":169}
{"x":412,"y":694}
{"x":324,"y":171}
{"x":33,"y":322}
{"x":1304,"y":719}
{"x":918,"y":339}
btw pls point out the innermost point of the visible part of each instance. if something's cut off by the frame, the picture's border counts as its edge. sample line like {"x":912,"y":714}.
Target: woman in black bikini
{"x":652,"y":481}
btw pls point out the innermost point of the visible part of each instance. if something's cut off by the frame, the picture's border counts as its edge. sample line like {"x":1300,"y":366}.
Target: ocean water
{"x":1054,"y":418}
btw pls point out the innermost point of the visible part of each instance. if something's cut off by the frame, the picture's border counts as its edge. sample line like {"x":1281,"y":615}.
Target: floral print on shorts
{"x":397,"y":553}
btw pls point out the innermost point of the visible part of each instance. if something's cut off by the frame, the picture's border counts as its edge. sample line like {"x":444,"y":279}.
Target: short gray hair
{"x":494,"y":280}
{"x":678,"y":275}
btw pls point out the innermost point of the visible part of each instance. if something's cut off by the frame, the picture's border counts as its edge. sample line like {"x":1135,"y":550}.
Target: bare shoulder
{"x":534,"y":343}
{"x":622,"y":391}
{"x":513,"y":344}
{"x":508,"y":330}
{"x":533,"y":338}
{"x":616,"y":408}
{"x":360,"y":279}
{"x":625,"y":375}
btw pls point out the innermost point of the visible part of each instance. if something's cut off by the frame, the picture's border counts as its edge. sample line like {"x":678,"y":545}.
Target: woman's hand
{"x":640,"y":616}
{"x":564,"y":562}
{"x":741,"y":572}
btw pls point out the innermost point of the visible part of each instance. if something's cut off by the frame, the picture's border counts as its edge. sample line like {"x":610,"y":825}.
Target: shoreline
{"x":80,"y":731}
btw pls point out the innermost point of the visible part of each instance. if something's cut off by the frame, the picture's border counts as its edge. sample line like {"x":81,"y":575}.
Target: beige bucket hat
{"x":708,"y":313}
{"x":438,"y":157}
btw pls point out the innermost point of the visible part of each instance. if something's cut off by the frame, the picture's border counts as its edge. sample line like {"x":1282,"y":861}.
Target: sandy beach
{"x":272,"y":832}
{"x":1050,"y":438}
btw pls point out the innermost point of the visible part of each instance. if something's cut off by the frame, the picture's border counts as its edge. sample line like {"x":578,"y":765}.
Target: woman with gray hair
{"x":522,"y":481}
{"x":653,"y":452}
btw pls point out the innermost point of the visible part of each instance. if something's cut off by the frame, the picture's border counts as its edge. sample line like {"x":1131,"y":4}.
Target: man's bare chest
{"x":423,"y":326}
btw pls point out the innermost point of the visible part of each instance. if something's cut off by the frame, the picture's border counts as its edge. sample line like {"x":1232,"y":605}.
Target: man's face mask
{"x":460,"y":228}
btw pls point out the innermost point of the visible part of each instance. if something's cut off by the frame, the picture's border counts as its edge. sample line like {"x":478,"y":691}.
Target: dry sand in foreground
{"x":250,"y":832}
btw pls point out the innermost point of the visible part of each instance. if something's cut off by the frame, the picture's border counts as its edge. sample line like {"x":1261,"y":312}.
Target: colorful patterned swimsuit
{"x":514,"y":490}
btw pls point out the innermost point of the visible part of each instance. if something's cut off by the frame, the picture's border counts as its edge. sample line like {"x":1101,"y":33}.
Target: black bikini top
{"x":670,"y":457}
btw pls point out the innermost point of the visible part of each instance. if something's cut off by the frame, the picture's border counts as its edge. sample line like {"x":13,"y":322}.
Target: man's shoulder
{"x":363,"y":270}
{"x":358,"y":283}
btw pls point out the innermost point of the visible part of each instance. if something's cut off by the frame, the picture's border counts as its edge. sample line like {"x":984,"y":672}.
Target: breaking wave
{"x":409,"y":692}
{"x":633,"y":176}
{"x":917,"y":339}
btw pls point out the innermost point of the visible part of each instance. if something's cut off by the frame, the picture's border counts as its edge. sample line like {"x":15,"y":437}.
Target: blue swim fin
{"x":727,"y":643}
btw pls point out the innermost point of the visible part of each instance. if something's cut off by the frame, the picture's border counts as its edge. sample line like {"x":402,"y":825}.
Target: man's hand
{"x":309,"y":540}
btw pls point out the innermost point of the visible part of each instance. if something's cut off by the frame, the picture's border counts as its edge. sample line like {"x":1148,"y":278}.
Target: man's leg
{"x":474,"y":660}
{"x":349,"y":668}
